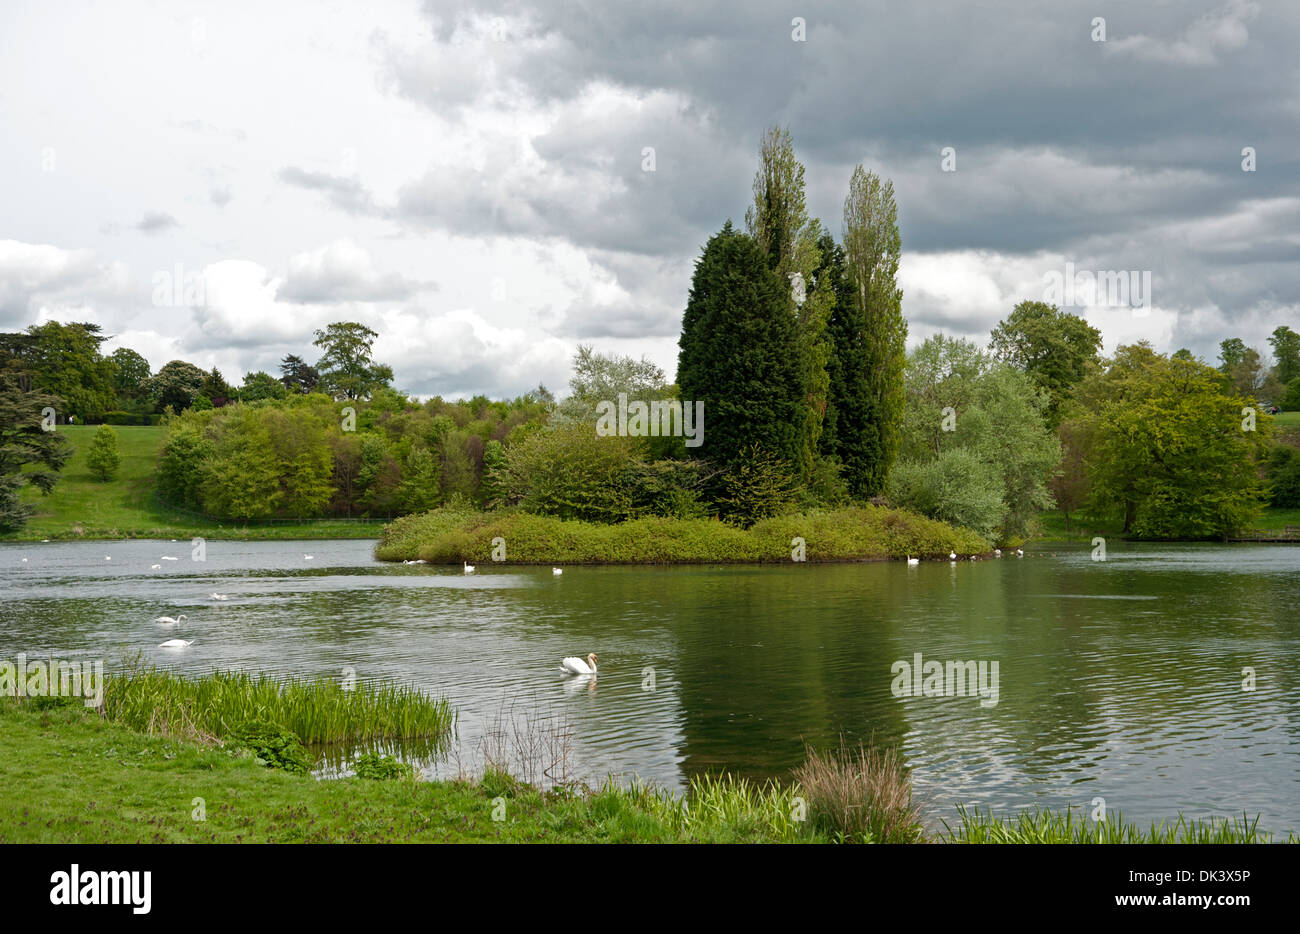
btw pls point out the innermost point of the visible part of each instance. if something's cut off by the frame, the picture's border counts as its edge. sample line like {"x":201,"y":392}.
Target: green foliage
{"x":65,"y":361}
{"x":1284,"y":477}
{"x":1168,"y":447}
{"x":1286,"y":355}
{"x":738,"y":353}
{"x":454,"y":535}
{"x":382,"y":768}
{"x":976,"y":447}
{"x":260,"y":385}
{"x":29,"y":455}
{"x":1057,"y":349}
{"x":104,"y":458}
{"x":176,"y":385}
{"x":274,"y":745}
{"x":755,"y":486}
{"x":872,"y":246}
{"x":182,"y":467}
{"x":131,"y":373}
{"x":346,"y":368}
{"x":778,"y":222}
{"x":1291,"y":402}
{"x":297,"y":376}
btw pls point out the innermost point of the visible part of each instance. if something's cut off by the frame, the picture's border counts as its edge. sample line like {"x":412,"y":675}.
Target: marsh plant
{"x":1070,"y":826}
{"x":215,"y":706}
{"x":860,"y":795}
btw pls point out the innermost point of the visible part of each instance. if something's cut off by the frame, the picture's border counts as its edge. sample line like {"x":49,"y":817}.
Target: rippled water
{"x":1120,"y":679}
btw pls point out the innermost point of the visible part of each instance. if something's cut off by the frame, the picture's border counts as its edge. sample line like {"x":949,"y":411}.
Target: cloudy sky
{"x":470,"y":179}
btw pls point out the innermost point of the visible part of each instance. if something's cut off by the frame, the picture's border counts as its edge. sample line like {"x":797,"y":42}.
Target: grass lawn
{"x":1287,"y":419}
{"x":70,"y":776}
{"x":125,"y":507}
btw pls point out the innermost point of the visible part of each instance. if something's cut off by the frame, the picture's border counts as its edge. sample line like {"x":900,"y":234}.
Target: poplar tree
{"x":778,"y":221}
{"x":871,"y":249}
{"x":847,"y":432}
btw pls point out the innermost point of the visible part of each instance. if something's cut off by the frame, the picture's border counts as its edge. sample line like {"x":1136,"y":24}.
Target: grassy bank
{"x":867,"y":533}
{"x":1082,"y":529}
{"x":70,"y":775}
{"x":126,"y":507}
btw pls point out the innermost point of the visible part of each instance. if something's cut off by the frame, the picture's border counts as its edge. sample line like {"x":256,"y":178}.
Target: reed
{"x":861,"y":795}
{"x":319,"y":711}
{"x":1069,"y":826}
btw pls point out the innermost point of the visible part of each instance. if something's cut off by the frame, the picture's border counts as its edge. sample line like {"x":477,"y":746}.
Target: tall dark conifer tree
{"x":736,"y":353}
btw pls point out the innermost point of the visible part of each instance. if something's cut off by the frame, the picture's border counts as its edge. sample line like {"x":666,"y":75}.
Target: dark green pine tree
{"x":738,"y":353}
{"x":847,"y":430}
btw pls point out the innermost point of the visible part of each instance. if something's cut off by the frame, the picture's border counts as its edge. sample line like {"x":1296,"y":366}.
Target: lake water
{"x":1120,"y":679}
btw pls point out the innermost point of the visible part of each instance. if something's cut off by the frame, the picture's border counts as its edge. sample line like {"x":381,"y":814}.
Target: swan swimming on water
{"x":220,"y":596}
{"x":170,"y":621}
{"x":175,"y":644}
{"x":575,"y":666}
{"x":169,"y":558}
{"x":469,"y":568}
{"x":154,"y":567}
{"x":913,"y":561}
{"x":952,"y":556}
{"x":556,"y":571}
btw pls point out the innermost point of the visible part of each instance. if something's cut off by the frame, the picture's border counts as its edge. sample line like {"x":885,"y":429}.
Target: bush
{"x":1291,"y":402}
{"x":380,"y":768}
{"x":957,"y":487}
{"x":278,"y":747}
{"x":131,"y":418}
{"x":104,"y":459}
{"x":1284,"y":477}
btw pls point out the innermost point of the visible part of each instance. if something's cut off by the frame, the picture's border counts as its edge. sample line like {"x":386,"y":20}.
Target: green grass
{"x":868,"y":533}
{"x":1053,"y":528}
{"x":69,"y":775}
{"x":319,"y":711}
{"x":126,"y":507}
{"x":1043,"y":826}
{"x":1287,"y":419}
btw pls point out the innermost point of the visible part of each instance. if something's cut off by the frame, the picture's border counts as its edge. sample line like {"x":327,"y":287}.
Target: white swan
{"x":469,"y":568}
{"x":171,"y":621}
{"x":220,"y":596}
{"x":556,"y":571}
{"x":952,"y":556}
{"x":309,"y":557}
{"x":997,"y":552}
{"x":913,"y":561}
{"x":154,"y":567}
{"x":169,"y":558}
{"x":575,"y":666}
{"x":1020,"y":553}
{"x":175,"y":644}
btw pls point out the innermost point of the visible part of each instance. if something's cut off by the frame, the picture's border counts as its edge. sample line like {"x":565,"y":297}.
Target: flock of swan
{"x":952,"y":556}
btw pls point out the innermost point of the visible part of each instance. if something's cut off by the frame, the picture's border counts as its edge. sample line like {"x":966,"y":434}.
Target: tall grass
{"x":319,"y":710}
{"x":717,"y":805}
{"x":1042,"y":826}
{"x":861,"y":795}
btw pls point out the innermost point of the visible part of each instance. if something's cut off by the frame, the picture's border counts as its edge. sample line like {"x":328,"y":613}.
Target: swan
{"x":556,"y":571}
{"x":24,"y":560}
{"x":108,"y":557}
{"x":309,"y":557}
{"x":169,"y":558}
{"x":1020,"y":553}
{"x":952,"y":556}
{"x":469,"y":568}
{"x":154,"y":567}
{"x":170,"y":621}
{"x":175,"y":644}
{"x":220,"y":596}
{"x":913,"y":561}
{"x":575,"y":666}
{"x":997,"y":552}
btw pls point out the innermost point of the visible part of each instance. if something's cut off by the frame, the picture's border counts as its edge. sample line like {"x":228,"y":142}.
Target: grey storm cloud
{"x":155,"y":222}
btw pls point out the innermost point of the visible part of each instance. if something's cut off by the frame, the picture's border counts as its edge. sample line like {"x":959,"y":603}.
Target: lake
{"x":1120,"y":679}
